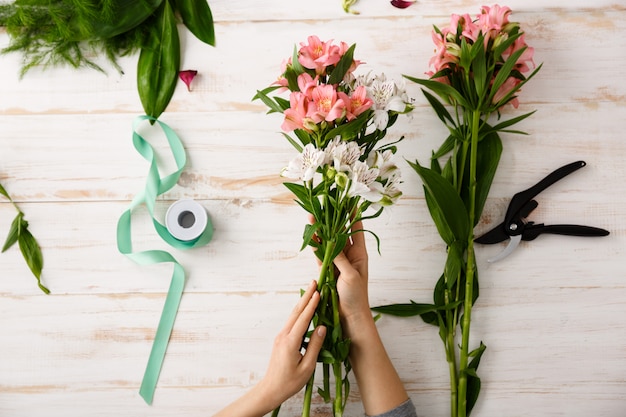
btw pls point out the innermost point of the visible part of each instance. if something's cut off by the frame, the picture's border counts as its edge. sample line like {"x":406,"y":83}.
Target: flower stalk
{"x":479,"y":67}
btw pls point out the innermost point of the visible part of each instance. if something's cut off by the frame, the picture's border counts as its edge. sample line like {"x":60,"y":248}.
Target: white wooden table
{"x":551,"y":315}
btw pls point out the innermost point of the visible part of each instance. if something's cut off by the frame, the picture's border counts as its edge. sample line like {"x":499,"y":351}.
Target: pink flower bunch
{"x":494,"y":26}
{"x":316,"y":102}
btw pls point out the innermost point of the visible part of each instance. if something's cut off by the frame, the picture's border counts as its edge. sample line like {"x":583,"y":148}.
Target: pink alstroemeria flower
{"x":187,"y":76}
{"x":356,"y":103}
{"x":306,"y":84}
{"x":509,"y":85}
{"x":318,"y":55}
{"x":296,"y":114}
{"x":492,"y":21}
{"x":326,"y":105}
{"x":525,"y":61}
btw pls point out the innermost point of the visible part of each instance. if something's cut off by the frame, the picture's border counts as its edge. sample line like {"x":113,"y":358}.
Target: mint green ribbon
{"x":155,"y":186}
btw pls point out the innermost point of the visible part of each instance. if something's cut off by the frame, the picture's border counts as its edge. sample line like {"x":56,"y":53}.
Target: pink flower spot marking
{"x":187,"y":76}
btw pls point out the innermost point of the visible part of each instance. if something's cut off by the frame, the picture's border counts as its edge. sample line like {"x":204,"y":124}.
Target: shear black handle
{"x":531,"y":232}
{"x":520,"y":199}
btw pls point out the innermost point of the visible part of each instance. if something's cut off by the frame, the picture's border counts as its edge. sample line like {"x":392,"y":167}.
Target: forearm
{"x":254,"y":403}
{"x":380,"y":386}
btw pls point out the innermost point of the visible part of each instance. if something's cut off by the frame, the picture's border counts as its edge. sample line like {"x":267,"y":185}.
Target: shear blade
{"x":513,"y":243}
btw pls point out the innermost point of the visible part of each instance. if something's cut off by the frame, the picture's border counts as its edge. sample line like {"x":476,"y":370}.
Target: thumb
{"x":314,"y":346}
{"x":342,"y":263}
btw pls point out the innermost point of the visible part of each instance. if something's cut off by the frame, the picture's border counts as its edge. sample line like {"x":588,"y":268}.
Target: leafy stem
{"x":19,"y":233}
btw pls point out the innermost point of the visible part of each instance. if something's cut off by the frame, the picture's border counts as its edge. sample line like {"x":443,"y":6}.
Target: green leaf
{"x":503,"y":74}
{"x":454,"y":263}
{"x":510,"y":122}
{"x":269,"y":102}
{"x":444,"y":91}
{"x":125,"y":15}
{"x":301,"y":193}
{"x":14,"y":231}
{"x":445,"y":205}
{"x":197,"y":17}
{"x":32,"y":255}
{"x":159,"y":62}
{"x":473,"y":381}
{"x":405,"y":310}
{"x":309,"y":232}
{"x":439,"y":108}
{"x":488,"y":158}
{"x":340,"y":243}
{"x":479,"y":69}
{"x":342,"y":66}
{"x":293,"y":142}
{"x":4,"y":192}
{"x":265,"y":91}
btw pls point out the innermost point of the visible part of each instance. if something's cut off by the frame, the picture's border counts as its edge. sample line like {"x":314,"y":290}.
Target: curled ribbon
{"x":156,"y":185}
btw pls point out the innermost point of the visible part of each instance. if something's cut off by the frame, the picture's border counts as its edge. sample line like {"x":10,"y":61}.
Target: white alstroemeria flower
{"x":384,"y":162}
{"x":305,"y":164}
{"x":345,"y":155}
{"x":363,"y":182}
{"x":330,"y":149}
{"x":386,"y":97}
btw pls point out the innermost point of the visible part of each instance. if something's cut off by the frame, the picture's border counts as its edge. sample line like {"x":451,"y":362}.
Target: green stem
{"x":451,"y":357}
{"x":470,"y":272}
{"x":338,"y":402}
{"x":308,"y":393}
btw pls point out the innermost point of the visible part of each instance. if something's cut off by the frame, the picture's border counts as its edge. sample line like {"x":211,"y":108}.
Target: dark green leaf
{"x":504,"y":72}
{"x":473,"y":381}
{"x":488,"y":158}
{"x":159,"y":62}
{"x":439,"y":108}
{"x":405,"y":310}
{"x":342,"y":66}
{"x":197,"y":17}
{"x":445,"y":205}
{"x":447,"y":93}
{"x":295,"y":62}
{"x":510,"y":122}
{"x":301,"y":194}
{"x":14,"y":232}
{"x":446,"y":146}
{"x":124,"y":16}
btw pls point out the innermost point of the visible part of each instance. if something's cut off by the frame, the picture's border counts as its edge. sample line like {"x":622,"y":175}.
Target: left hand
{"x":289,"y":370}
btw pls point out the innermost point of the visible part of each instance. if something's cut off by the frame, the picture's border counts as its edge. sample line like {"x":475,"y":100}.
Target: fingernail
{"x":321,"y":331}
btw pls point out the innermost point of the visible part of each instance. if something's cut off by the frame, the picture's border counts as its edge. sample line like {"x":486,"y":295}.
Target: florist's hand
{"x":352,"y":283}
{"x":289,"y":370}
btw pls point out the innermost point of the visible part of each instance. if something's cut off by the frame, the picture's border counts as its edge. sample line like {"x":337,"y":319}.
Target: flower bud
{"x":341,"y":179}
{"x":331,"y":173}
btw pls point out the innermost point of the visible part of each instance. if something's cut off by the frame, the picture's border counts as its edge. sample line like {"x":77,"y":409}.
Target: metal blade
{"x":515,"y":240}
{"x":495,"y":235}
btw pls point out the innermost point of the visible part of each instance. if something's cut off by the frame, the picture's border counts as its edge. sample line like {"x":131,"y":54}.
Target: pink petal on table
{"x":187,"y":76}
{"x":401,"y":4}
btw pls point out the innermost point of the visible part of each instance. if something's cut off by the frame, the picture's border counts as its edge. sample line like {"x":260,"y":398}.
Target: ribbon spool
{"x":189,"y":227}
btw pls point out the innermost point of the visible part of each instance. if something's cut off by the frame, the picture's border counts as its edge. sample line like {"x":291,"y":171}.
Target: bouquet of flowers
{"x":337,"y":121}
{"x":478,"y":68}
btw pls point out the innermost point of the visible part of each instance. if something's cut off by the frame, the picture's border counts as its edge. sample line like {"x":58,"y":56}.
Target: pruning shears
{"x":516,"y":227}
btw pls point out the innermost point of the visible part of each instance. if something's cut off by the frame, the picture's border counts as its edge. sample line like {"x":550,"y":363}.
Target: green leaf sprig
{"x":57,"y":32}
{"x":26,"y":241}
